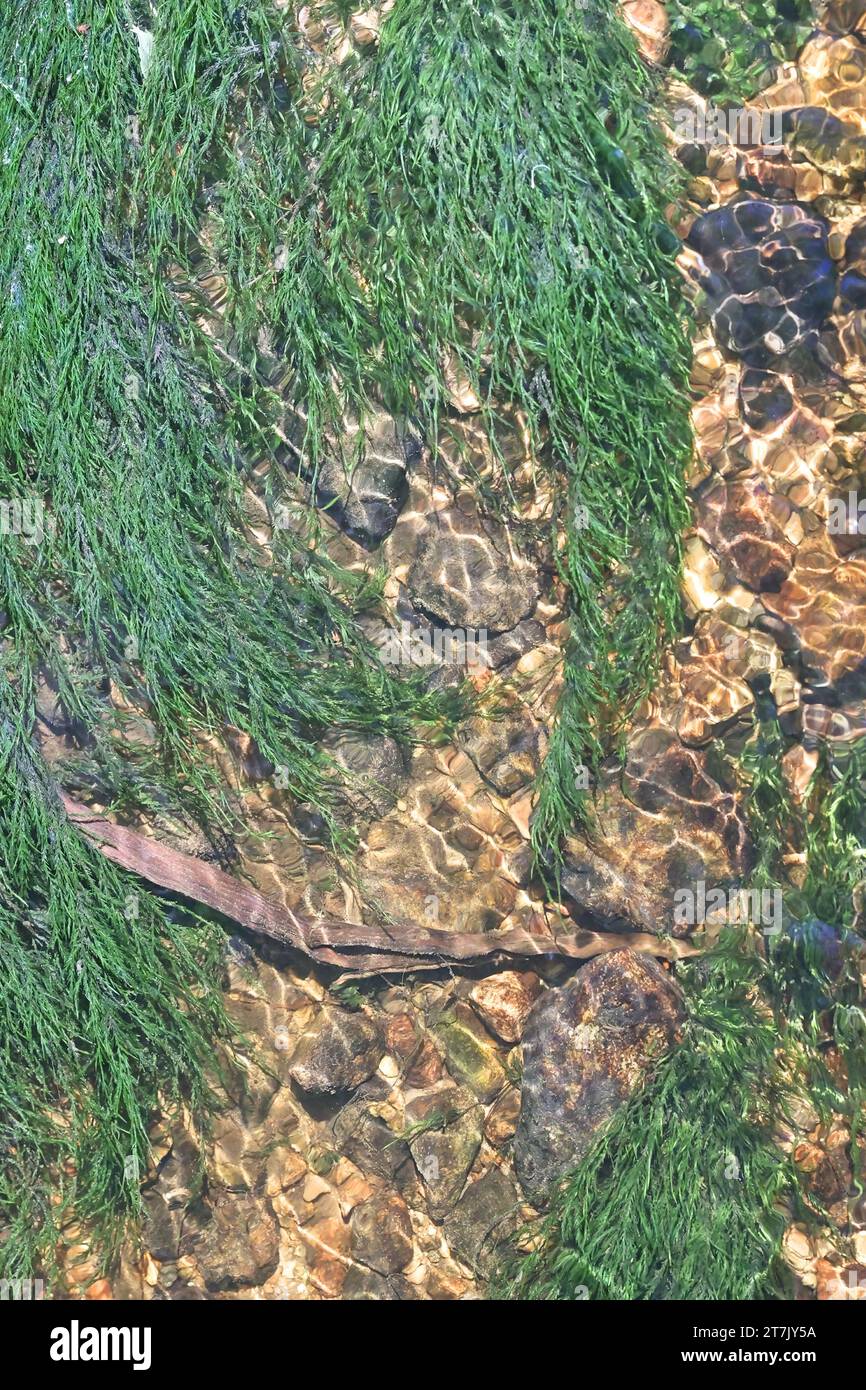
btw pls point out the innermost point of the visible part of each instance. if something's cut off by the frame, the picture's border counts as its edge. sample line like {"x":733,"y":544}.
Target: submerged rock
{"x":375,"y":772}
{"x":366,"y":1286}
{"x":444,"y":1155}
{"x":507,"y":752}
{"x":344,"y":1050}
{"x":504,"y":1001}
{"x":366,"y":501}
{"x":768,"y":276}
{"x":470,"y":1055}
{"x":587,"y":1046}
{"x":382,"y":1233}
{"x":823,"y":601}
{"x":665,"y":823}
{"x":745,"y":523}
{"x":831,"y":144}
{"x":162,"y":1226}
{"x":483,"y":1220}
{"x":361,"y":1133}
{"x":465,"y":576}
{"x":764,"y":398}
{"x":718,"y":666}
{"x":240,"y":1244}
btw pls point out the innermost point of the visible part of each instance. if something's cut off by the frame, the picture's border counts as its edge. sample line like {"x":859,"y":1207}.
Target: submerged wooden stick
{"x":351,"y":946}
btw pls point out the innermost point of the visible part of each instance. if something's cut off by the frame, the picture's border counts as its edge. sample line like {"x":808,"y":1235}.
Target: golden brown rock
{"x":503,"y":1001}
{"x":649,"y":21}
{"x":587,"y":1046}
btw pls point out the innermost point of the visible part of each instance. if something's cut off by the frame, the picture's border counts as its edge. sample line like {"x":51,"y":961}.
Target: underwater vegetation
{"x":726,"y":51}
{"x":687,"y":1193}
{"x":480,"y":196}
{"x":109,"y":1008}
{"x":523,"y":236}
{"x":496,"y":171}
{"x":135,"y":575}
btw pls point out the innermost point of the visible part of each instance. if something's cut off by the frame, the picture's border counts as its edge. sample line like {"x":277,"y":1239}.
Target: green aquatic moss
{"x":726,"y":51}
{"x":132,"y":448}
{"x":125,"y":568}
{"x":686,"y":1194}
{"x":494,"y":174}
{"x":483,"y":193}
{"x":486,"y":189}
{"x":110,"y":1008}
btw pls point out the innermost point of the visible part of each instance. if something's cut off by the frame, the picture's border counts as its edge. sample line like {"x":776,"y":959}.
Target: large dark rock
{"x":344,"y":1050}
{"x":768,"y":276}
{"x":382,"y":1233}
{"x":466,"y":577}
{"x":239,"y":1246}
{"x":483,"y":1220}
{"x":587,"y":1046}
{"x":366,"y":500}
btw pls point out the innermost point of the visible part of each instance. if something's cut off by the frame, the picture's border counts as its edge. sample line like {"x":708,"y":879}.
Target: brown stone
{"x":586,"y":1048}
{"x":445,"y":1282}
{"x":745,"y":524}
{"x":342,"y":1050}
{"x":466,"y":576}
{"x":840,"y":1285}
{"x":444,"y":1155}
{"x":504,"y":1001}
{"x":824,"y":601}
{"x":649,"y":21}
{"x":382,"y":1233}
{"x":427,"y":1066}
{"x":501,"y":1122}
{"x":100,"y":1291}
{"x":401,"y":1037}
{"x":470,"y":1053}
{"x":239,"y":1245}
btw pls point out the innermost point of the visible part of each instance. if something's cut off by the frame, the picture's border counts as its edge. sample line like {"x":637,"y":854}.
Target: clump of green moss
{"x":128,"y":580}
{"x":479,"y":195}
{"x":494,"y":172}
{"x":110,"y":1006}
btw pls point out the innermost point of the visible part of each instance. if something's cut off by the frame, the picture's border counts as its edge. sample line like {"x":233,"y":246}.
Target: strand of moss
{"x":686,"y":1194}
{"x":480,"y":193}
{"x":110,"y":1009}
{"x":116,"y":429}
{"x":127,"y":578}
